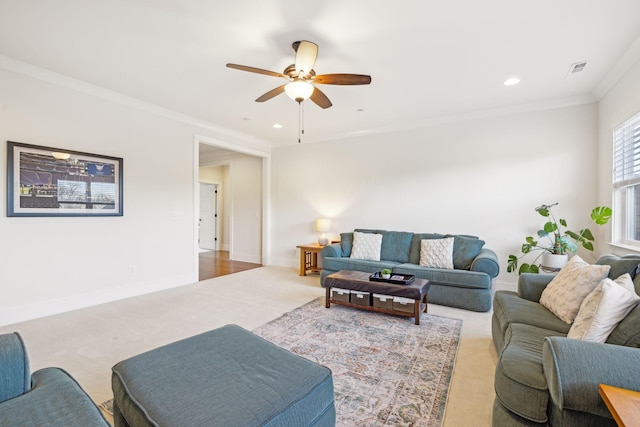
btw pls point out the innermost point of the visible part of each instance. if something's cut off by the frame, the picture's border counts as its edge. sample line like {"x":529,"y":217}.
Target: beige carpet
{"x":88,"y":342}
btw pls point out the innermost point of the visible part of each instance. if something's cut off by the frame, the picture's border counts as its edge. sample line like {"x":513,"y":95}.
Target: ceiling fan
{"x":301,"y":77}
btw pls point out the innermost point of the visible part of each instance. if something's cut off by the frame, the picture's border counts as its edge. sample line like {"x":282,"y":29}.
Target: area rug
{"x":387,"y":371}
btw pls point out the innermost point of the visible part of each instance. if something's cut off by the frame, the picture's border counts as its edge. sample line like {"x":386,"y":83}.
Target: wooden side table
{"x":623,"y":404}
{"x":309,"y":258}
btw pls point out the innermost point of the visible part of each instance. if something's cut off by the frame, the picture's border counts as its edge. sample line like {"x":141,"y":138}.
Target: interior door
{"x":207,"y":225}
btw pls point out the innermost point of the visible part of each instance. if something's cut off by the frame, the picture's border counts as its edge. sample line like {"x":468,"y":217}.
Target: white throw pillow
{"x":563,"y":296}
{"x":603,"y":309}
{"x":437,"y":253}
{"x":366,"y":246}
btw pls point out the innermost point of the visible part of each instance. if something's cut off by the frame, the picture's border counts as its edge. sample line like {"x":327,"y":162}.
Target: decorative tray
{"x":398,"y":279}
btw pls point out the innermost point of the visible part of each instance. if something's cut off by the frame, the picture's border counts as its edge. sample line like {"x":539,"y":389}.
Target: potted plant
{"x":560,"y":241}
{"x":386,"y":273}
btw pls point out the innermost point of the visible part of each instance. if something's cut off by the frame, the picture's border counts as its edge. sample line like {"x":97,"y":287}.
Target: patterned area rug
{"x":387,"y":371}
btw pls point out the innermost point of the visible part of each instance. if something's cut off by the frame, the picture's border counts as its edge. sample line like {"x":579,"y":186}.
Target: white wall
{"x":482,"y":177}
{"x":619,"y":104}
{"x":246,"y":209}
{"x":50,"y":265}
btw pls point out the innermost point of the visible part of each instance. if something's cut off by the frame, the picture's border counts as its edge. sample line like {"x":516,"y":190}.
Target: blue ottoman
{"x":225,"y":377}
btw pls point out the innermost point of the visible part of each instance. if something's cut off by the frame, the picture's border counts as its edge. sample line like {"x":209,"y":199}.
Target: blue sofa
{"x":542,"y":377}
{"x":467,"y":286}
{"x":49,"y":397}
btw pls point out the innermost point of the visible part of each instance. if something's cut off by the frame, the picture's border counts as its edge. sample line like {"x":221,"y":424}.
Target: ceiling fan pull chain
{"x":300,"y":130}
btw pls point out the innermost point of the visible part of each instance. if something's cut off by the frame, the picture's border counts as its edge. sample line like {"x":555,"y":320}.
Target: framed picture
{"x":46,"y":181}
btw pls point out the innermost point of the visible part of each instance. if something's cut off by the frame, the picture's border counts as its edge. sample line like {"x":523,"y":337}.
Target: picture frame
{"x":48,"y":182}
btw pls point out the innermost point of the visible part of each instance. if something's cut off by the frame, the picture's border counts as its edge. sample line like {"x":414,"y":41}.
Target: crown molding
{"x":462,"y":117}
{"x":35,"y":72}
{"x":621,"y":67}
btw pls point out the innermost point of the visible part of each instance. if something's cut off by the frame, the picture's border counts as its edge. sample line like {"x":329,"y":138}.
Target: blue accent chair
{"x":48,"y":397}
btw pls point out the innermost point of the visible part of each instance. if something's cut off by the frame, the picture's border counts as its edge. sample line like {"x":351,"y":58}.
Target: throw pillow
{"x":603,"y":309}
{"x":366,"y":246}
{"x":437,"y":253}
{"x":346,"y":243}
{"x":465,"y":250}
{"x":416,"y":243}
{"x":563,"y":296}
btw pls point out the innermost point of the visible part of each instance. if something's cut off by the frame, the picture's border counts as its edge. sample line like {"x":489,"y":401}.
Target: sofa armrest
{"x":15,"y":376}
{"x":55,"y":400}
{"x":486,"y":262}
{"x":530,"y":285}
{"x":574,"y":369}
{"x":333,"y":250}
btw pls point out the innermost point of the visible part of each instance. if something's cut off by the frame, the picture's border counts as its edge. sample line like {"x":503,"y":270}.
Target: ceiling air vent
{"x":576,"y":67}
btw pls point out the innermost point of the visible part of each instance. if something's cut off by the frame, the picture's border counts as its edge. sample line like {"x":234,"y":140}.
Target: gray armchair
{"x":49,"y":397}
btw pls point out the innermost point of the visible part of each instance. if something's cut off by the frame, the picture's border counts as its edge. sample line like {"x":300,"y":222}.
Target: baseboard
{"x":55,"y":306}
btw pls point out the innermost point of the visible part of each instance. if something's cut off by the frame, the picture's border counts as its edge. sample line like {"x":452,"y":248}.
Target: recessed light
{"x":360,"y":110}
{"x":512,"y":81}
{"x":277,"y":126}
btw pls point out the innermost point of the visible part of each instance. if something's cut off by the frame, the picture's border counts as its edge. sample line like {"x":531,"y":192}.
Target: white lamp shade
{"x":299,"y":90}
{"x":323,"y":225}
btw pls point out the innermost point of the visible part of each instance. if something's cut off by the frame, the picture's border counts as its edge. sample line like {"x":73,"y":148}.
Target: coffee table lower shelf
{"x":416,"y":307}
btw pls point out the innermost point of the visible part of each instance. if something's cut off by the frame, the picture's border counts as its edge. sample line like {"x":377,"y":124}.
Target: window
{"x":626,"y":181}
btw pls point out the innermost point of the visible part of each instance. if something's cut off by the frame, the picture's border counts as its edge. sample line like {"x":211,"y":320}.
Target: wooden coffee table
{"x":359,"y":281}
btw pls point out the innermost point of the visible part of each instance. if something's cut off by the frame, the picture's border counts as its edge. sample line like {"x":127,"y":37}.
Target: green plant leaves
{"x":561,"y":240}
{"x":528,"y":268}
{"x":601,"y":215}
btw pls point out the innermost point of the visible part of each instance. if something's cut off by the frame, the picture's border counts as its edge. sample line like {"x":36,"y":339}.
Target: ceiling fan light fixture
{"x":299,"y":90}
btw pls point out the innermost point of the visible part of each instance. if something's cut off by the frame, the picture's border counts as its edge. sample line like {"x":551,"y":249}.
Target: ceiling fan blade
{"x":306,"y":55}
{"x":255,"y":70}
{"x":342,"y":79}
{"x":273,"y":92}
{"x":320,"y":98}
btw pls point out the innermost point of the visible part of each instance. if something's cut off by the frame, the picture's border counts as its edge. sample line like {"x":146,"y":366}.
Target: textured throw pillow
{"x":603,"y":309}
{"x":563,"y":296}
{"x":437,"y":253}
{"x":366,"y":246}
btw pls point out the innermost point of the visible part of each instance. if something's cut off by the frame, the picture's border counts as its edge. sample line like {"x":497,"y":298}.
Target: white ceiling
{"x":429,"y":60}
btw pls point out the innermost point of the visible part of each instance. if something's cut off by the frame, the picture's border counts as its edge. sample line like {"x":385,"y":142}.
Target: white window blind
{"x":626,"y":154}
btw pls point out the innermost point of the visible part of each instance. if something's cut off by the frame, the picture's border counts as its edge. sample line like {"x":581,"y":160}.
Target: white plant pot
{"x":553,"y":262}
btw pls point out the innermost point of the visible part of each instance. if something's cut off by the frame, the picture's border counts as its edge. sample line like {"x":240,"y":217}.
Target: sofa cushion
{"x":366,"y":246}
{"x":627,"y":333}
{"x":603,"y":309}
{"x":565,"y":293}
{"x":454,"y":278}
{"x":465,"y":250}
{"x":509,"y":308}
{"x":414,"y":251}
{"x":437,"y":253}
{"x":346,"y":243}
{"x":15,"y":376}
{"x":620,"y":265}
{"x":520,"y":383}
{"x":55,"y":400}
{"x":396,"y":246}
{"x":337,"y":264}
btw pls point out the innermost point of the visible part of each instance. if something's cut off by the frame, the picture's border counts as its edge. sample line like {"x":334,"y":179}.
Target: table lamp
{"x":323,"y":225}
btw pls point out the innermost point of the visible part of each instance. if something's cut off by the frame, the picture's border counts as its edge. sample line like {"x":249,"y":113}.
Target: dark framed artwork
{"x":46,"y":181}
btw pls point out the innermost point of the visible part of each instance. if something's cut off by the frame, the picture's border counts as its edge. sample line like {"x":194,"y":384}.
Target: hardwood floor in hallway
{"x":217,"y":263}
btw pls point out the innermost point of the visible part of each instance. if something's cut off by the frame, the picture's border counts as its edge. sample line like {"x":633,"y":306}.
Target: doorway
{"x":243,"y":219}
